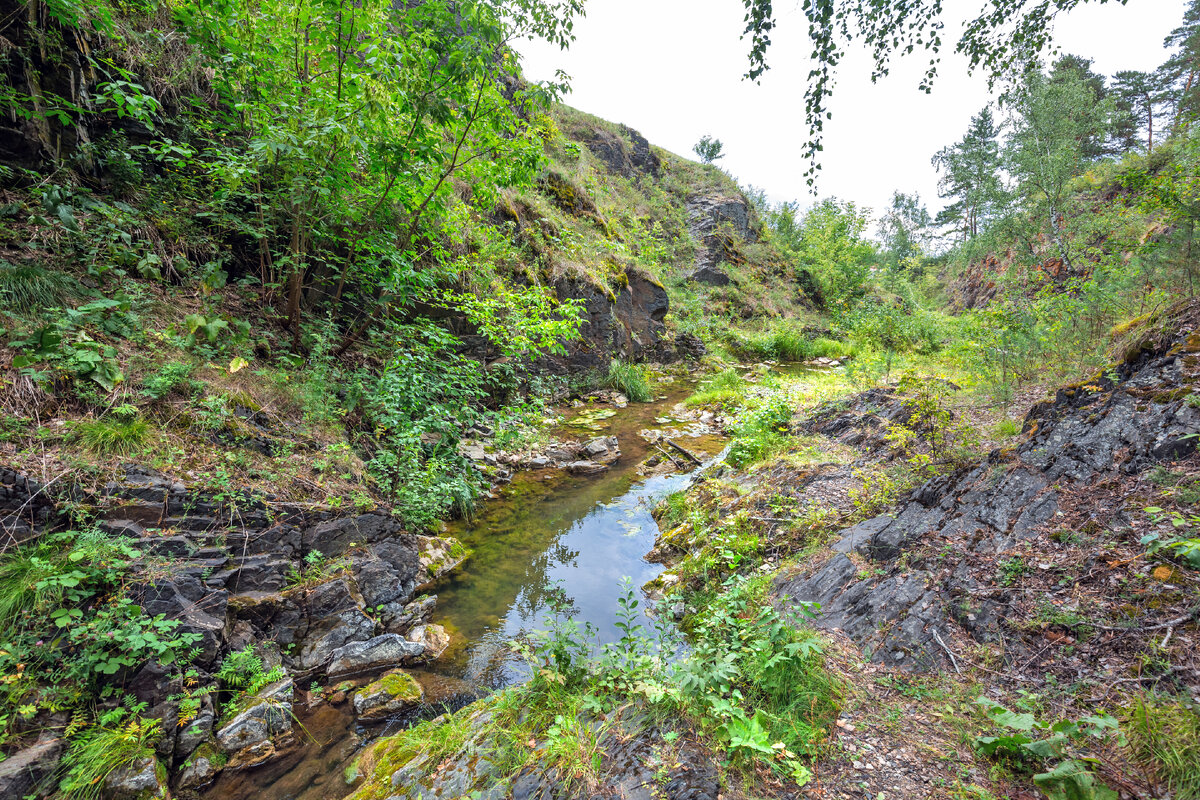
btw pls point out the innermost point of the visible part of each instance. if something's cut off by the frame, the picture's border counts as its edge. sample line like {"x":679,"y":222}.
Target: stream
{"x":549,"y":539}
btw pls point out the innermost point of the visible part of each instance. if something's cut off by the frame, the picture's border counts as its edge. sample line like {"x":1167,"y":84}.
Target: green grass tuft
{"x":28,"y":287}
{"x":630,"y":380}
{"x":108,"y":438}
{"x":99,"y":751}
{"x":1164,"y":736}
{"x":724,"y":388}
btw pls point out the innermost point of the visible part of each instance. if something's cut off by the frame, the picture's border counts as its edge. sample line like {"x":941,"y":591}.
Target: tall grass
{"x":630,"y":380}
{"x":787,"y":341}
{"x":1164,"y":736}
{"x":28,"y":287}
{"x":724,"y":388}
{"x":111,"y":438}
{"x":99,"y":751}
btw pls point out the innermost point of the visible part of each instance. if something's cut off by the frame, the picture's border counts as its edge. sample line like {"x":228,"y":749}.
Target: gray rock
{"x":269,"y":717}
{"x":586,"y":468}
{"x":388,"y":650}
{"x":198,"y":773}
{"x":136,"y":781}
{"x":23,"y":771}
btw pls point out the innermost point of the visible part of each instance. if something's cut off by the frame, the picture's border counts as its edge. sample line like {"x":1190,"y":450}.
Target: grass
{"x":724,"y":388}
{"x":28,"y":287}
{"x":112,"y":438}
{"x":100,"y":750}
{"x":1164,"y":736}
{"x":20,"y":572}
{"x":787,"y":341}
{"x":630,"y":380}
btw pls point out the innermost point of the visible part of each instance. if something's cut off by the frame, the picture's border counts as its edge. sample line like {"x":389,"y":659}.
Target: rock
{"x":201,"y":610}
{"x":198,"y":772}
{"x":26,"y":769}
{"x":142,"y":779}
{"x":398,"y":619}
{"x":434,"y":639}
{"x":539,"y":462}
{"x":195,"y":733}
{"x":388,"y":650}
{"x":393,"y":692}
{"x":585,"y":468}
{"x":596,"y":447}
{"x":269,"y":717}
{"x":713,"y":276}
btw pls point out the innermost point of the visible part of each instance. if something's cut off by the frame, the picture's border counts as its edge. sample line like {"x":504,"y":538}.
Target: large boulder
{"x":142,"y":779}
{"x":388,"y":650}
{"x":253,"y":735}
{"x":24,"y":771}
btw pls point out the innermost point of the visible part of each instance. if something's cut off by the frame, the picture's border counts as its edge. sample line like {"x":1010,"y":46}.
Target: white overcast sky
{"x":672,"y":69}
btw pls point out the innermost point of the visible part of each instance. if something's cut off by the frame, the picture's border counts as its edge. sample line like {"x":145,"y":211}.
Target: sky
{"x":672,"y":69}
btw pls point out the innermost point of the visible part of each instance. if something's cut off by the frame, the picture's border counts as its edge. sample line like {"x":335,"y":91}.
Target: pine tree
{"x":971,"y":175}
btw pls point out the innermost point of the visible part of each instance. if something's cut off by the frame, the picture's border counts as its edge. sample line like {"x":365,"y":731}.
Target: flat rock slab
{"x":388,"y":650}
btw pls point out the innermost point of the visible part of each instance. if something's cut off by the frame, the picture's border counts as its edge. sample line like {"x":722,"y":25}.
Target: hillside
{"x":374,"y":424}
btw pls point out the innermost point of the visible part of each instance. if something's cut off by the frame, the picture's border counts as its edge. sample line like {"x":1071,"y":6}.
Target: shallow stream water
{"x":547,"y":539}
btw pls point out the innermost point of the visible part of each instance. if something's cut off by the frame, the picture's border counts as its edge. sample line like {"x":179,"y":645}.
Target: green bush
{"x":760,"y":433}
{"x":168,"y":379}
{"x":630,"y":380}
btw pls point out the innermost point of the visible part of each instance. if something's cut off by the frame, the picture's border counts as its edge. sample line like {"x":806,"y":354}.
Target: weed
{"x":1012,"y":569}
{"x":1164,"y":736}
{"x":112,"y":438}
{"x":120,"y":738}
{"x":630,"y":380}
{"x":1007,"y":427}
{"x":28,"y":287}
{"x":168,"y":379}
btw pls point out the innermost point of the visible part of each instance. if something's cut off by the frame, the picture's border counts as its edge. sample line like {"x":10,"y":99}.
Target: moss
{"x":399,"y":685}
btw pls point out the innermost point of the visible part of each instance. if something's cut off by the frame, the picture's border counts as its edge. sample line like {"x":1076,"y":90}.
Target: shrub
{"x":760,"y":433}
{"x":630,"y":380}
{"x":169,"y":378}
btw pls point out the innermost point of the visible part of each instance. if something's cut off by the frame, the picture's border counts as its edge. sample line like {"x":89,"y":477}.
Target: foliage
{"x":418,"y":407}
{"x":1028,"y":741}
{"x":71,"y":625}
{"x":28,"y":287}
{"x":971,"y":177}
{"x":112,"y":437}
{"x":168,"y":379}
{"x":65,"y":349}
{"x":1184,"y":546}
{"x":760,"y":432}
{"x":828,"y":240}
{"x":119,"y":738}
{"x":630,"y":380}
{"x":1164,"y":736}
{"x":709,"y":149}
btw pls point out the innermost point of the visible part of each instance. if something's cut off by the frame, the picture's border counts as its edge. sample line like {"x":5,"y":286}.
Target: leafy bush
{"x":761,"y":432}
{"x":1027,"y":743}
{"x":168,"y":379}
{"x":418,"y":408}
{"x":630,"y":380}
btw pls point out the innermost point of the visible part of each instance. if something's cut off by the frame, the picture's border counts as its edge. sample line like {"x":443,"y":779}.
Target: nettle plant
{"x":1060,"y":747}
{"x":1184,"y":546}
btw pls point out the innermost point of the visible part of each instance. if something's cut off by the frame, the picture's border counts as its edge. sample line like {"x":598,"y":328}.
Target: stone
{"x":198,"y":772}
{"x":586,"y":468}
{"x":388,"y":650}
{"x":539,"y":462}
{"x":194,"y":733}
{"x":138,"y":780}
{"x":23,"y":771}
{"x":269,"y":716}
{"x":433,"y":637}
{"x":393,"y":692}
{"x":712,"y":276}
{"x":596,"y":447}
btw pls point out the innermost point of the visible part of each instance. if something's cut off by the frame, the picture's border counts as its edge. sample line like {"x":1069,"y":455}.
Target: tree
{"x":904,"y":230}
{"x":708,"y":149}
{"x":1137,"y":95}
{"x":829,"y":240}
{"x":359,"y":118}
{"x":1004,"y":34}
{"x":971,"y":176}
{"x":1179,"y":75}
{"x":1054,"y":120}
{"x":1075,"y":67}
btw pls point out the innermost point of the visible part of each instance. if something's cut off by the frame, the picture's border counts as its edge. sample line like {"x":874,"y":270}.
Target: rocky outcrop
{"x":627,"y":324}
{"x":334,"y":594}
{"x":636,"y":761}
{"x":933,"y":564}
{"x":718,"y":224}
